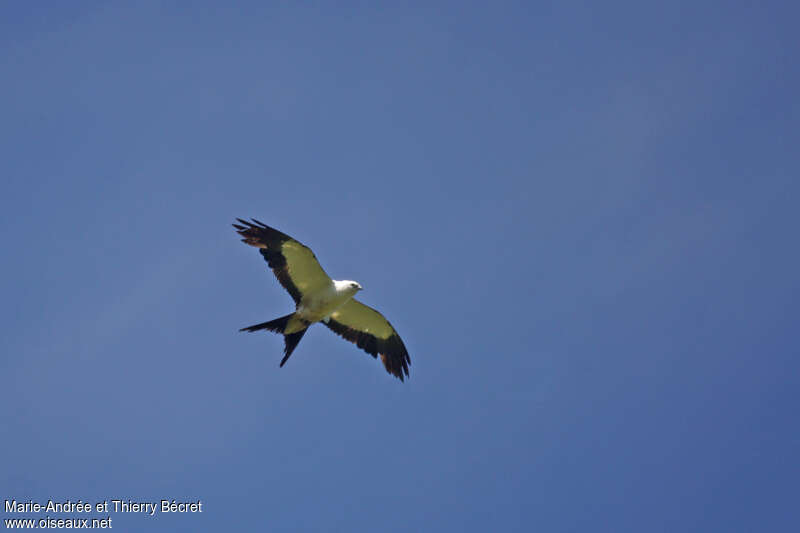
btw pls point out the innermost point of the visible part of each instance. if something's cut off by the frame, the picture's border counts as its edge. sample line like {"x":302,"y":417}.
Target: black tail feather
{"x":291,"y":341}
{"x":278,"y":325}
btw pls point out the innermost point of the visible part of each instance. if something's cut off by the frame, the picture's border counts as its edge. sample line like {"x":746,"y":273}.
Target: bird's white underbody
{"x":317,"y":306}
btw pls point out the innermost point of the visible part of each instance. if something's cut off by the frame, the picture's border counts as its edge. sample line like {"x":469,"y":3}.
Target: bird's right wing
{"x":371,"y":332}
{"x":294,"y":264}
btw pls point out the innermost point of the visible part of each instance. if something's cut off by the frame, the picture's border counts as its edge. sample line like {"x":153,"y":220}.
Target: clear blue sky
{"x":581,"y":217}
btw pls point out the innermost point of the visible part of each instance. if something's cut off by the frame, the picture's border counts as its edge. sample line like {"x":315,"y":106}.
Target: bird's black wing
{"x":371,"y":332}
{"x":294,"y":264}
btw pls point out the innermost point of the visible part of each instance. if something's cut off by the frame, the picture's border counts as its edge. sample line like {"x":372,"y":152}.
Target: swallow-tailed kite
{"x":318,"y":298}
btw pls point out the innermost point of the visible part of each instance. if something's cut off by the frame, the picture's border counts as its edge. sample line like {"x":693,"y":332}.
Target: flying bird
{"x":318,"y":298}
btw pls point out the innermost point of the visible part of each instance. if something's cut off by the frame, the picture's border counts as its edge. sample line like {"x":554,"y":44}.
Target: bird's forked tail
{"x":280,"y":325}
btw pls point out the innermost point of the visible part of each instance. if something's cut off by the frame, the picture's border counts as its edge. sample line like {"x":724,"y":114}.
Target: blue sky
{"x":581,"y":217}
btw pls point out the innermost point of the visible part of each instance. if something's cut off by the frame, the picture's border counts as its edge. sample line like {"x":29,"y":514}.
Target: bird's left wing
{"x":371,"y":332}
{"x":294,"y":264}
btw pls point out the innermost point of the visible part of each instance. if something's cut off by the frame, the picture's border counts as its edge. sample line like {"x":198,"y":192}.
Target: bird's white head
{"x":348,"y":285}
